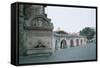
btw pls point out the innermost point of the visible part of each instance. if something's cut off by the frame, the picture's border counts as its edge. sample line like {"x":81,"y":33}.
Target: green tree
{"x":88,"y":32}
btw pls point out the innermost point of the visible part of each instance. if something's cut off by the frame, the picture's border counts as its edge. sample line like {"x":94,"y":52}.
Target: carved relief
{"x":39,"y":22}
{"x":40,"y":44}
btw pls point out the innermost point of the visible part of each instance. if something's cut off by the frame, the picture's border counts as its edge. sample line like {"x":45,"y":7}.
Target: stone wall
{"x":35,"y":30}
{"x":70,"y":41}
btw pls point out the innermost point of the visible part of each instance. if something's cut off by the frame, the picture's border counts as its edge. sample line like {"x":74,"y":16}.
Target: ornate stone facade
{"x":35,"y":30}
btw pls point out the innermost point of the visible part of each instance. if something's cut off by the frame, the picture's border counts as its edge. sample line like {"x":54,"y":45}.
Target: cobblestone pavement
{"x":86,"y":52}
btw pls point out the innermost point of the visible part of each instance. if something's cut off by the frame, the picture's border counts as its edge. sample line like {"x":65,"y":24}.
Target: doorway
{"x":63,"y":44}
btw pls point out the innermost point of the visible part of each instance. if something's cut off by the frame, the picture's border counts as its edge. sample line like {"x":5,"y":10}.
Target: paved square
{"x":86,"y":52}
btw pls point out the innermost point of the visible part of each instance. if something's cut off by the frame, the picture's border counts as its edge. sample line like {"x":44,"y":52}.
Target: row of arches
{"x":63,"y":43}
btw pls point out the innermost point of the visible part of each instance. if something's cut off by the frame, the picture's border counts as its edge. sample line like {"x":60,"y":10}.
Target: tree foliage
{"x":88,"y":32}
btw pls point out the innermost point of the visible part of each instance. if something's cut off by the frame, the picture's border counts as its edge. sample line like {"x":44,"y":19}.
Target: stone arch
{"x":63,"y":43}
{"x":81,"y":41}
{"x":72,"y":43}
{"x":77,"y":42}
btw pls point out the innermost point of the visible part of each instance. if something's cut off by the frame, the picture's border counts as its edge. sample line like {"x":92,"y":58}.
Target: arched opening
{"x":77,"y":42}
{"x":81,"y":41}
{"x":71,"y":43}
{"x":63,"y":44}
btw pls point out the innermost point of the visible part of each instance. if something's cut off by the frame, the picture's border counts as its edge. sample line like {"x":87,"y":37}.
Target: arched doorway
{"x":77,"y":42}
{"x":63,"y":44}
{"x":71,"y":43}
{"x":81,"y":41}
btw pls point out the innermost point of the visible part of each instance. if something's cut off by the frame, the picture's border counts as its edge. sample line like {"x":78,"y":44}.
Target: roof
{"x":61,"y":32}
{"x":67,"y":35}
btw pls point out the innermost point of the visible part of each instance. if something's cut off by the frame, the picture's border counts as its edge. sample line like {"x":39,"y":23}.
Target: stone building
{"x":65,"y":40}
{"x":36,"y":34}
{"x":35,"y":30}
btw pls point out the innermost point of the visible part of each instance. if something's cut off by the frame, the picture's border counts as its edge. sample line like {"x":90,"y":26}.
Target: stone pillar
{"x":68,"y":44}
{"x":74,"y":40}
{"x":80,"y":42}
{"x":59,"y":41}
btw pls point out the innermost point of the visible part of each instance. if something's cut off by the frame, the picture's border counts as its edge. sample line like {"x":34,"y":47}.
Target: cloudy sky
{"x":71,"y":19}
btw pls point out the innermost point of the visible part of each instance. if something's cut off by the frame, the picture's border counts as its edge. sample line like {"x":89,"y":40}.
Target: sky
{"x":71,"y":19}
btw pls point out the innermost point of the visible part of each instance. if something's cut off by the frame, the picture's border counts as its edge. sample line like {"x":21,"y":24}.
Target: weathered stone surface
{"x":69,"y":40}
{"x":35,"y":30}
